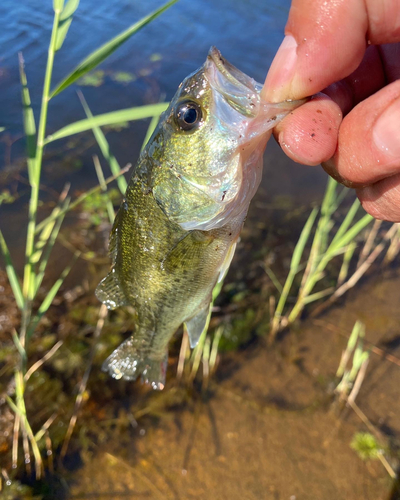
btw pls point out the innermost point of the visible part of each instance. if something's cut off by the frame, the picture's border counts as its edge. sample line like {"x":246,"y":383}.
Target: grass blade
{"x":271,"y":275}
{"x":34,"y":178}
{"x":46,"y":233}
{"x":122,"y":115}
{"x":351,"y":343}
{"x":318,"y":295}
{"x":20,"y":410}
{"x":55,"y":228}
{"x":69,"y":9}
{"x":349,"y":235}
{"x":105,"y":147}
{"x":11,"y":273}
{"x":347,"y":221}
{"x":28,"y":119}
{"x":150,"y":130}
{"x":58,"y":5}
{"x":98,"y":56}
{"x":55,"y":215}
{"x":305,"y":233}
{"x":50,"y":297}
{"x":214,"y":348}
{"x":20,"y":348}
{"x":100,"y":176}
{"x":41,"y":361}
{"x":294,"y":267}
{"x":65,"y":22}
{"x":344,"y":270}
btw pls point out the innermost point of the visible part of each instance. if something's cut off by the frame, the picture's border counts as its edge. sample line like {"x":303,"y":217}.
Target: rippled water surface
{"x":265,"y":429}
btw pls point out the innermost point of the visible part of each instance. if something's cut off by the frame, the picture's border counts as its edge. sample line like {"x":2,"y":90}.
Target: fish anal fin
{"x":110,"y":292}
{"x":195,"y":326}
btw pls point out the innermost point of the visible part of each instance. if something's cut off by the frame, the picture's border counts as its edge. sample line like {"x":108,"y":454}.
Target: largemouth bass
{"x":175,"y":233}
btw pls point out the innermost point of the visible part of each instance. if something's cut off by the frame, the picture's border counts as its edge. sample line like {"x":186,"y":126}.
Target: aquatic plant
{"x":351,"y":377}
{"x":351,"y":373}
{"x":330,"y":243}
{"x":41,"y":236}
{"x":367,"y":447}
{"x":205,"y":352}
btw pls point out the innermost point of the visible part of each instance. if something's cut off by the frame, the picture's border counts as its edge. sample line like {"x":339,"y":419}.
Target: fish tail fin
{"x":129,"y":360}
{"x":110,"y":292}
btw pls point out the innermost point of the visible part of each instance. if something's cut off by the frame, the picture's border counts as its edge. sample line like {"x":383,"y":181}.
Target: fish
{"x":176,"y":230}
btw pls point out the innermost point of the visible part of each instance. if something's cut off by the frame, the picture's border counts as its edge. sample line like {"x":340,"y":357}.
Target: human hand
{"x":335,"y":46}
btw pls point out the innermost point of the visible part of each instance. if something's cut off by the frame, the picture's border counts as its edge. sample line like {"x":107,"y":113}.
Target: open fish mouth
{"x":240,"y":90}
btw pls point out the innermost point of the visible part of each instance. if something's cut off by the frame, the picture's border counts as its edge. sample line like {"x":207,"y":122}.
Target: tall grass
{"x":323,"y":243}
{"x":41,"y":237}
{"x":205,"y":352}
{"x":352,"y":375}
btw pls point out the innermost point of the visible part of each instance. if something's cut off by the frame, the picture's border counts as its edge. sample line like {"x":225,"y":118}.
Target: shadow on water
{"x":265,"y":427}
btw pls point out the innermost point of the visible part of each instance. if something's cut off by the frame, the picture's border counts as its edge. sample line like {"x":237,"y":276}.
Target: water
{"x":265,"y":430}
{"x":246,"y":33}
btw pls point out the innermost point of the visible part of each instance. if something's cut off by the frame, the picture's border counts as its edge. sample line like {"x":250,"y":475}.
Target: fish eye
{"x":188,"y":115}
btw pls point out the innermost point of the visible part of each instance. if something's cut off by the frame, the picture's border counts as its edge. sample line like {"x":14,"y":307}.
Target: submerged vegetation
{"x":42,"y":369}
{"x":333,"y":243}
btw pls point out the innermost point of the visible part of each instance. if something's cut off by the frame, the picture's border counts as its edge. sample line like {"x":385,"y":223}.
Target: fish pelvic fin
{"x":196,"y":325}
{"x":227,"y":261}
{"x":129,"y":361}
{"x":110,"y":292}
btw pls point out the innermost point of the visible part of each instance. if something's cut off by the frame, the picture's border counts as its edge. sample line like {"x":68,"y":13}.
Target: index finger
{"x":325,"y":41}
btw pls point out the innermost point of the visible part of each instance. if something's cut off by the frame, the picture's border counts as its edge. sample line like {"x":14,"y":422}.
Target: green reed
{"x":41,"y":237}
{"x":352,"y":375}
{"x":328,"y":243}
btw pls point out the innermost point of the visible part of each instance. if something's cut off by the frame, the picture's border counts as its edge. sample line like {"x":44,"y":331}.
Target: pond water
{"x":265,"y":427}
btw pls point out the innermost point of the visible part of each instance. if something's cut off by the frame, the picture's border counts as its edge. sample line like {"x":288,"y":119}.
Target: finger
{"x":368,"y":145}
{"x":325,"y":42}
{"x":382,"y":199}
{"x":309,"y":134}
{"x":367,"y":79}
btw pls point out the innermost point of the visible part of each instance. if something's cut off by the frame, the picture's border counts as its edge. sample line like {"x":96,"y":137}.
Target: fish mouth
{"x":240,"y":90}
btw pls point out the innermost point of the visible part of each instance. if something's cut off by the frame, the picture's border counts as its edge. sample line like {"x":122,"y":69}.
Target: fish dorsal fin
{"x":196,"y":325}
{"x":110,"y":292}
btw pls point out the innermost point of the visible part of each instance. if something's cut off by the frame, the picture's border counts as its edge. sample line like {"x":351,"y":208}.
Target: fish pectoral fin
{"x":189,"y":249}
{"x":195,"y":326}
{"x":110,"y":292}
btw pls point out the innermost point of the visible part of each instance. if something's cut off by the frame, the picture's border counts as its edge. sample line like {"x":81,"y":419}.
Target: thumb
{"x":368,"y":145}
{"x":325,"y":42}
{"x":368,"y":152}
